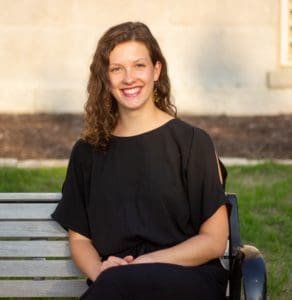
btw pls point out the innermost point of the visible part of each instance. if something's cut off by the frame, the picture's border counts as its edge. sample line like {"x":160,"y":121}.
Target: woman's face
{"x":132,"y":75}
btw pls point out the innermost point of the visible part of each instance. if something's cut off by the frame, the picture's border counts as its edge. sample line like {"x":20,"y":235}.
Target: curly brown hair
{"x":101,"y":110}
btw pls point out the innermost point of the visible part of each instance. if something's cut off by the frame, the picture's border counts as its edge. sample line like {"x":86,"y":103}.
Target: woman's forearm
{"x":85,"y":257}
{"x":195,"y":251}
{"x":210,"y":243}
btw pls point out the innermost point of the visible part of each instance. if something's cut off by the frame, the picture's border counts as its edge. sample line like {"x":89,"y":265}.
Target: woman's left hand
{"x":144,"y":259}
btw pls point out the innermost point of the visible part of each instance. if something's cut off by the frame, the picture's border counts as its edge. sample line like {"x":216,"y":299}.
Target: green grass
{"x":265,"y":210}
{"x":31,"y":180}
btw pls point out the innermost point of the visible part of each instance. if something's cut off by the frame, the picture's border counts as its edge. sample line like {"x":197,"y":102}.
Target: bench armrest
{"x":254,"y":276}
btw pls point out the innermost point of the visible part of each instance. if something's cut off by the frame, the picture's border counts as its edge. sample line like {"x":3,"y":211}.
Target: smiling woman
{"x":112,"y":65}
{"x":143,"y":199}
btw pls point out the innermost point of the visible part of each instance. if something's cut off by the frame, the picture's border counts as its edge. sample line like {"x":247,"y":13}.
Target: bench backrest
{"x":34,"y":253}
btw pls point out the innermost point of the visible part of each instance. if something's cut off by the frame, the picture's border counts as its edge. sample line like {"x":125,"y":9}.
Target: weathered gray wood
{"x":38,"y":268}
{"x":42,"y":288}
{"x":20,"y":211}
{"x":25,"y":197}
{"x":39,"y":208}
{"x":31,"y":229}
{"x":34,"y":249}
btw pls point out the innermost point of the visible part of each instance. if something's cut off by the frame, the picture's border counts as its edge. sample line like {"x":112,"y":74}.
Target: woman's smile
{"x":131,"y":92}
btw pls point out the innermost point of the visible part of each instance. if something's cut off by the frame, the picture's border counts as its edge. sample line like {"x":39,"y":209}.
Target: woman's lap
{"x":159,"y":281}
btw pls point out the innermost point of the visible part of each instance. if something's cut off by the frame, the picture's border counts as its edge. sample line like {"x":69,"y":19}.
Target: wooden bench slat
{"x":31,"y":229}
{"x":34,"y":249}
{"x":34,"y":210}
{"x":38,"y":268}
{"x":42,"y":288}
{"x":26,"y":210}
{"x":26,"y":197}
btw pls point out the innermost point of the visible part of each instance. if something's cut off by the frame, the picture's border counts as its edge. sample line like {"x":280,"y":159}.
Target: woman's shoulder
{"x":187,"y":130}
{"x":81,"y":150}
{"x":191,"y":137}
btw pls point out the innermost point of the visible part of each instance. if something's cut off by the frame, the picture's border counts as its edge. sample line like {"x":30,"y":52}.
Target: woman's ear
{"x":157,"y":70}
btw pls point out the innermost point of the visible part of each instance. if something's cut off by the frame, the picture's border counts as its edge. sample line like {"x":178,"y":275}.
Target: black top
{"x":147,"y":192}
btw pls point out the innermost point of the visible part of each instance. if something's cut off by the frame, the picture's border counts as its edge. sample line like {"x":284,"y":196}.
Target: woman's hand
{"x":144,"y":259}
{"x":114,"y":261}
{"x":87,"y":258}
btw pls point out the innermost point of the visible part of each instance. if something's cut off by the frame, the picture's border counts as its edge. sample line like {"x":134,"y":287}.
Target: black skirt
{"x":151,"y":281}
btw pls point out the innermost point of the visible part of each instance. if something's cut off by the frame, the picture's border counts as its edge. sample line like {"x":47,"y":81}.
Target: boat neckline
{"x":117,"y":137}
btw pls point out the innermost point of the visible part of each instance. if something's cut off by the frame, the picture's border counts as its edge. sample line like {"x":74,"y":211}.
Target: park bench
{"x":35,"y":259}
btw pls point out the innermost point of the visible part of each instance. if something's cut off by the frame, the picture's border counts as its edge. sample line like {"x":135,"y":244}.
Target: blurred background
{"x":230,"y":60}
{"x":225,"y":57}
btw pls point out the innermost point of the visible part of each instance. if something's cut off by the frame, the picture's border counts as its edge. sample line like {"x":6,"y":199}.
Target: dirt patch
{"x":52,"y":136}
{"x":250,"y":137}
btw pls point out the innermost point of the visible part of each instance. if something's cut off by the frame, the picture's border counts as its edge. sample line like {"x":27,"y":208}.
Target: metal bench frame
{"x":35,"y":258}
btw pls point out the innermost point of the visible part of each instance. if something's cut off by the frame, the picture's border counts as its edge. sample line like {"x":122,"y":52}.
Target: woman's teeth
{"x":132,"y":91}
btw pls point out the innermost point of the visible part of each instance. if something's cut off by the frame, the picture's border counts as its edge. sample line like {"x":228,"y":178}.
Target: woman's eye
{"x":115,"y":69}
{"x":140,"y":66}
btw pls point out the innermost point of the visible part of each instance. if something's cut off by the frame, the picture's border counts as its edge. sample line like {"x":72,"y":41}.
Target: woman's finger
{"x":114,"y":261}
{"x":129,"y":258}
{"x":117,"y":260}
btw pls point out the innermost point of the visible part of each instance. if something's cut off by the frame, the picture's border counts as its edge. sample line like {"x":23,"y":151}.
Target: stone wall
{"x":219,"y":53}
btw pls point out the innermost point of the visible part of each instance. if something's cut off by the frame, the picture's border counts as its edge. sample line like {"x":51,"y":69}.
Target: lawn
{"x":31,"y":180}
{"x":265,"y":210}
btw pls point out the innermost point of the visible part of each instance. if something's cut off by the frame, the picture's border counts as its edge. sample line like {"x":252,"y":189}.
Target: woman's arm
{"x":210,"y":243}
{"x":87,"y":258}
{"x":84,"y":255}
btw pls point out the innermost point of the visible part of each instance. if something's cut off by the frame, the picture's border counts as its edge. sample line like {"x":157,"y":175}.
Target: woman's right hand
{"x":114,"y":261}
{"x":87,"y":258}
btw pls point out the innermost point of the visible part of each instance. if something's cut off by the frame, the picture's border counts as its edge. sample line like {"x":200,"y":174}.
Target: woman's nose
{"x":129,"y":76}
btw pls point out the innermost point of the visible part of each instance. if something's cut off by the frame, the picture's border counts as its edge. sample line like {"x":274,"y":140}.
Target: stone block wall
{"x":219,"y":53}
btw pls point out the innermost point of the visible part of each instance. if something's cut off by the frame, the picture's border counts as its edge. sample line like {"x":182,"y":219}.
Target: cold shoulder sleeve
{"x":205,"y":191}
{"x":71,"y":211}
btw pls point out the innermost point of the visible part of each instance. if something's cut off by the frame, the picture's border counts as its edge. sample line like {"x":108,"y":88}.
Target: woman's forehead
{"x":129,"y":51}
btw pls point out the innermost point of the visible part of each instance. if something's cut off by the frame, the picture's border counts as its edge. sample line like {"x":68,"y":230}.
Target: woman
{"x":142,"y":198}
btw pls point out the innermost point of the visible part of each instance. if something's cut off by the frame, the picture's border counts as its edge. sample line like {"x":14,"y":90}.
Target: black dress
{"x":146,"y":192}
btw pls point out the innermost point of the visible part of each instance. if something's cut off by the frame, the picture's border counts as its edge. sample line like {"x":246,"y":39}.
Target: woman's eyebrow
{"x":135,"y":61}
{"x":142,"y":58}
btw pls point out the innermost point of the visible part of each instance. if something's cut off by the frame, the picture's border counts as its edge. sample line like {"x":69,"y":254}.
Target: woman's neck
{"x":134,"y":122}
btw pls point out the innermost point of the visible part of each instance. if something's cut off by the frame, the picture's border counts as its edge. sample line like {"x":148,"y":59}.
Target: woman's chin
{"x":132,"y":105}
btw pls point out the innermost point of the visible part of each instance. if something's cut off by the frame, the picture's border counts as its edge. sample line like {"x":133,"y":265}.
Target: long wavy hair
{"x":101,"y":110}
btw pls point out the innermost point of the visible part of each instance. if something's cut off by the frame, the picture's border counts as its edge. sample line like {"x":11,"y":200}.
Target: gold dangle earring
{"x":108,"y":104}
{"x":155,"y":94}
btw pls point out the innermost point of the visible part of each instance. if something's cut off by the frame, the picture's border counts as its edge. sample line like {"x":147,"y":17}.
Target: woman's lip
{"x":131,"y":92}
